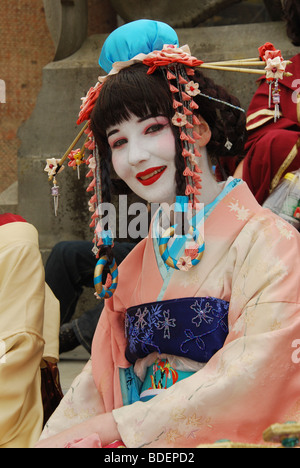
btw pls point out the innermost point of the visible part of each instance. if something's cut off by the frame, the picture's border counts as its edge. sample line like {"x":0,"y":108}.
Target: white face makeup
{"x":143,"y":155}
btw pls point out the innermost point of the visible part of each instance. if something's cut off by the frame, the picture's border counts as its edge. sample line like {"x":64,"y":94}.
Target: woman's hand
{"x":104,"y":425}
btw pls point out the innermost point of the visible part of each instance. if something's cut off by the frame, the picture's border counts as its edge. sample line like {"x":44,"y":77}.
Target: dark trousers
{"x":69,"y":268}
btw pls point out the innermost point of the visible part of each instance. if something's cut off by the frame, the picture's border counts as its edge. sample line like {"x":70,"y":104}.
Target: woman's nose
{"x":137,"y":154}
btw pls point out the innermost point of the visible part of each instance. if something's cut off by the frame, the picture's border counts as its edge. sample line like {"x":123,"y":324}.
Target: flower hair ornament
{"x":275,"y":70}
{"x":156,"y":45}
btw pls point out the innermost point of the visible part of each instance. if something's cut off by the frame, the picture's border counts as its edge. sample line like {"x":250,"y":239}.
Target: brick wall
{"x":26,"y":47}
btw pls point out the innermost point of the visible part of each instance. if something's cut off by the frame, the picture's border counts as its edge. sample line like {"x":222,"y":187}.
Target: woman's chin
{"x":154,"y":195}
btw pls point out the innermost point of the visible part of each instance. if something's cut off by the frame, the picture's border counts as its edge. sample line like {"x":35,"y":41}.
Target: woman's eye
{"x":155,"y":128}
{"x":119,"y":143}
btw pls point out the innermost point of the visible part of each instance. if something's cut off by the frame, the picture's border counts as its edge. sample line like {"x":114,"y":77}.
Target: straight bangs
{"x":131,"y":91}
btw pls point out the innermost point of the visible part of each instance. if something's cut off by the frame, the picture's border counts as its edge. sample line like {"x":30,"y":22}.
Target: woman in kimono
{"x":199,"y":340}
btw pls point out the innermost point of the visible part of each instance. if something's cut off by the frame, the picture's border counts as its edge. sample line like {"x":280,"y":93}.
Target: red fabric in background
{"x":10,"y":218}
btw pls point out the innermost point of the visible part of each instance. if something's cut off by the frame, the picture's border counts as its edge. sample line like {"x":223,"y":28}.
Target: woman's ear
{"x":203,"y":130}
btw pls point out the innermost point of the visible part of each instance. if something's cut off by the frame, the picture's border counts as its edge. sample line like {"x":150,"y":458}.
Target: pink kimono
{"x":251,"y":262}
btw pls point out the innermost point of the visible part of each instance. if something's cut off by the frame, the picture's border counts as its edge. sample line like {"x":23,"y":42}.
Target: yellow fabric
{"x":22,"y":301}
{"x":51,"y":326}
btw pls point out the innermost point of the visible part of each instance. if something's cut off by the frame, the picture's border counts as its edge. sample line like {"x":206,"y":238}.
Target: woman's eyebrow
{"x":150,"y":116}
{"x":112,"y":132}
{"x":142,"y":119}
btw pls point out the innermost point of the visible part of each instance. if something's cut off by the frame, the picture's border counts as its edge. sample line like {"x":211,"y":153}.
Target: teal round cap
{"x":141,"y":36}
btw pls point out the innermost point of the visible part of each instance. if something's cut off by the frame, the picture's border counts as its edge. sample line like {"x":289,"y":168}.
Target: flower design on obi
{"x":202,"y":313}
{"x":166,"y":324}
{"x":209,"y":319}
{"x":140,"y":328}
{"x":191,"y":327}
{"x":141,"y":322}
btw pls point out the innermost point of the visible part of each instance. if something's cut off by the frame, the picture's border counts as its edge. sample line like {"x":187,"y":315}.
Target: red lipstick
{"x":151,"y":175}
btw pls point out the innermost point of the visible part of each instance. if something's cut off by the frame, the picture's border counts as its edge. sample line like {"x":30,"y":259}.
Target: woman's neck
{"x":209,"y":191}
{"x":210,"y":187}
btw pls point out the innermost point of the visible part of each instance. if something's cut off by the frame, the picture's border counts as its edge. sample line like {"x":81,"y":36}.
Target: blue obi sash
{"x":192,"y":327}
